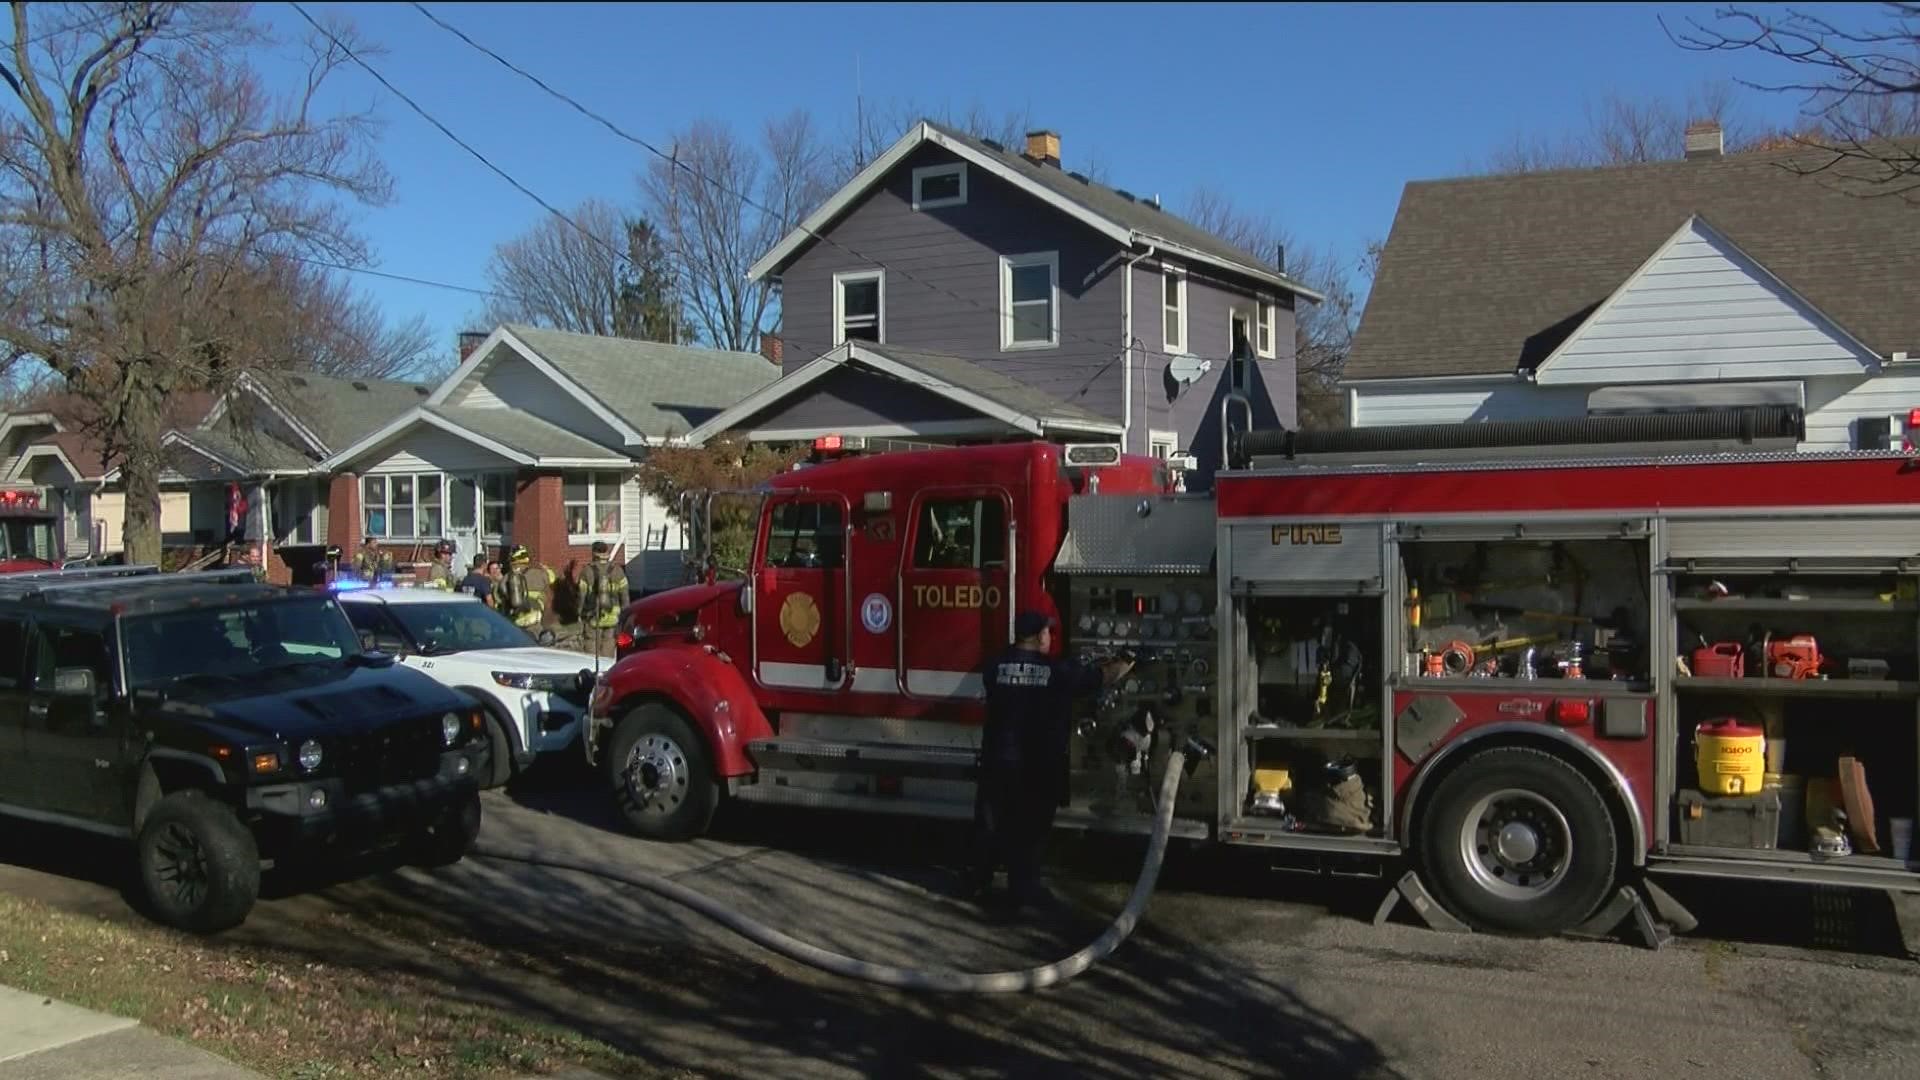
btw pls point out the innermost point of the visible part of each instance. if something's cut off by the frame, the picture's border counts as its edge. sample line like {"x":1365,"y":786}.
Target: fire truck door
{"x":954,"y":594}
{"x":800,"y":617}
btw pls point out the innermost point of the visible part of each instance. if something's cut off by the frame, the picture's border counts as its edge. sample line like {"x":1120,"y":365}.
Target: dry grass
{"x":279,"y":1014}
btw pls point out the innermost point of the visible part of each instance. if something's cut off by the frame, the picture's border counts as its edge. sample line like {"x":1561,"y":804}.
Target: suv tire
{"x":452,"y":835}
{"x":661,"y":773}
{"x":199,"y":865}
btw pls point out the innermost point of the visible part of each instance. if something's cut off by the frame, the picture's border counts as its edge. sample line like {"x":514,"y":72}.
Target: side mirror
{"x":73,"y":682}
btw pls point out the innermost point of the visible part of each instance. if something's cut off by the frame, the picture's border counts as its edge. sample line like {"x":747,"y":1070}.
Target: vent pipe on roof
{"x":1705,"y":140}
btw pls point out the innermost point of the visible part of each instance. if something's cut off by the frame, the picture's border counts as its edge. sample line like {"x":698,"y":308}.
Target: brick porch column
{"x":343,"y":514}
{"x":540,"y":519}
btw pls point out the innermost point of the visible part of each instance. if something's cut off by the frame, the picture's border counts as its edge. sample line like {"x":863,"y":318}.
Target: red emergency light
{"x":20,"y":499}
{"x":1570,"y":713}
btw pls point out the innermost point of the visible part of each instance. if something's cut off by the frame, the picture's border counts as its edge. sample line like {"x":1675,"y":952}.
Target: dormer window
{"x":935,"y":186}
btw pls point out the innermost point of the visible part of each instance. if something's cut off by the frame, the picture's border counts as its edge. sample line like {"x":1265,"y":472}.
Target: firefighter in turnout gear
{"x":440,"y":570}
{"x":527,"y":587}
{"x":1024,"y":754}
{"x":373,"y":562}
{"x":603,"y":593}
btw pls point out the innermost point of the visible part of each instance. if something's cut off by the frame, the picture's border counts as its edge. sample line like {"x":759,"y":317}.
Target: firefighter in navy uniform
{"x":1024,"y":754}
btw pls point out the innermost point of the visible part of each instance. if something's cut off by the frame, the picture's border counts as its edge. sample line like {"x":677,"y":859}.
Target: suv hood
{"x":532,"y":660}
{"x":315,"y":702}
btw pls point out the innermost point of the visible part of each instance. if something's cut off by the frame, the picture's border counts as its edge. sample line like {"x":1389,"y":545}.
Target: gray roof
{"x":1488,"y":275}
{"x":992,"y":385}
{"x":1127,"y":211}
{"x":524,"y":432}
{"x":247,"y":447}
{"x":658,"y":389}
{"x":341,"y":410}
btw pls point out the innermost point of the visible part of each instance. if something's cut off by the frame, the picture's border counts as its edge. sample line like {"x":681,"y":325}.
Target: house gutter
{"x":1126,"y":337}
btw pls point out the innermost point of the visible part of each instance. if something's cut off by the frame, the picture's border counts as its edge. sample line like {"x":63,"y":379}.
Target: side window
{"x":13,"y":654}
{"x":365,"y":616}
{"x":68,"y":647}
{"x":961,"y":534}
{"x":805,"y":535}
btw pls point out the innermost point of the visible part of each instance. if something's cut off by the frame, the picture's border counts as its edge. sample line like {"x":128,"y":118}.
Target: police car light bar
{"x":831,"y":443}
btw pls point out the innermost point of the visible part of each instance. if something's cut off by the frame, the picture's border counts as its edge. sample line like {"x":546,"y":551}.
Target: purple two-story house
{"x":958,"y":291}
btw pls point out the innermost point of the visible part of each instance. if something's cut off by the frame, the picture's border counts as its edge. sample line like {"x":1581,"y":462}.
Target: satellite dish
{"x":1186,"y":369}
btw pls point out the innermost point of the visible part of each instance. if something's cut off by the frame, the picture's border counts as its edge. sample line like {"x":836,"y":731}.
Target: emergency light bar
{"x":832,"y":443}
{"x":18,"y":500}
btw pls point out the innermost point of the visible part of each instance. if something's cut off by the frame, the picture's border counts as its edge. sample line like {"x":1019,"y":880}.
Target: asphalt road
{"x":1239,"y":969}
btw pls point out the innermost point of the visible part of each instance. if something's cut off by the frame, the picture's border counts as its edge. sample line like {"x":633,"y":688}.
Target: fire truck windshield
{"x":26,"y":538}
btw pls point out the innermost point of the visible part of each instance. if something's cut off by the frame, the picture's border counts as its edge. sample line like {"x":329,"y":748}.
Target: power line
{"x":444,"y":130}
{"x":1121,"y":349}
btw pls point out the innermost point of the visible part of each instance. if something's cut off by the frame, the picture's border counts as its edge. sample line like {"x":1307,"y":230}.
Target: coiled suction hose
{"x":946,"y":980}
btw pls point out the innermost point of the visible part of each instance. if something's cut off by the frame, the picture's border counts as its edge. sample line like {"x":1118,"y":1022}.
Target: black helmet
{"x":600,"y":547}
{"x":333,"y":551}
{"x":444,"y":547}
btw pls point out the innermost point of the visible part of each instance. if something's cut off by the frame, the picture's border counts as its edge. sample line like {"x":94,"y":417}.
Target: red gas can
{"x":1722,"y":660}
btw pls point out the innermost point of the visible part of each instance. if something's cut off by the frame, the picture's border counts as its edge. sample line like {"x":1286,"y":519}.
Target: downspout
{"x":1126,"y":336}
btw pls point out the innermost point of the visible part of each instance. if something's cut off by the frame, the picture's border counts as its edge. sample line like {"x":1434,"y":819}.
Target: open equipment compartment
{"x":1812,"y":667}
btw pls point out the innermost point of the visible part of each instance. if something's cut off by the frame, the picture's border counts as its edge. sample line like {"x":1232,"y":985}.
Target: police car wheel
{"x":661,"y":774}
{"x":1518,"y":841}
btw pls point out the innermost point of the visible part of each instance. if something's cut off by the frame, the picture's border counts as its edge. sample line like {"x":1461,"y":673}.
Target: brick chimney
{"x":1044,"y":147}
{"x":1704,"y":140}
{"x":469,"y":341}
{"x":772,"y":348}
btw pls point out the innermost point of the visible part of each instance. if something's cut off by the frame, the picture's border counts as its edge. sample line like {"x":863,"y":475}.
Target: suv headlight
{"x":520,"y":680}
{"x":310,"y":755}
{"x":449,"y":729}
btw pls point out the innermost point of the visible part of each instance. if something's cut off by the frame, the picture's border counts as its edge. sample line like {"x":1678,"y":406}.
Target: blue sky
{"x":1315,"y":114}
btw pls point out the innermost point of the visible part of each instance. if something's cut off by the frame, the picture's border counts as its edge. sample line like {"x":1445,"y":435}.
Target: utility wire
{"x":1121,"y":349}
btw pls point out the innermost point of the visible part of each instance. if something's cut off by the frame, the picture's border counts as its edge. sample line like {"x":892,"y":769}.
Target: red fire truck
{"x":1535,"y":660}
{"x":29,"y":532}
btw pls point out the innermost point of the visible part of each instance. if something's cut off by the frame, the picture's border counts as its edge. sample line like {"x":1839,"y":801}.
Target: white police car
{"x":536,"y":697}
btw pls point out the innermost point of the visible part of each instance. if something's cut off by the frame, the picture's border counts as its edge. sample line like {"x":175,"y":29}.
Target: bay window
{"x":592,"y":504}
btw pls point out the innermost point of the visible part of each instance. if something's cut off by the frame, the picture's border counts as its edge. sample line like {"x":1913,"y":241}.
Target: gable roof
{"x":646,"y":390}
{"x":330,"y":410}
{"x":519,"y":437}
{"x":985,"y":391}
{"x":1122,"y":218}
{"x":1489,"y":275}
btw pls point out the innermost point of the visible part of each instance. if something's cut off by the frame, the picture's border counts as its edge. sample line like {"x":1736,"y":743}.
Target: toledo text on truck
{"x":1535,"y":661}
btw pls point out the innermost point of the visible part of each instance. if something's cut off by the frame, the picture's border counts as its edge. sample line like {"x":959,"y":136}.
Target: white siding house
{"x":1552,"y":295}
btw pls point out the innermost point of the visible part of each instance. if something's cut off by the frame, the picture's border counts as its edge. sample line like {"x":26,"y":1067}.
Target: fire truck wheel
{"x":1517,"y":841}
{"x":661,"y":774}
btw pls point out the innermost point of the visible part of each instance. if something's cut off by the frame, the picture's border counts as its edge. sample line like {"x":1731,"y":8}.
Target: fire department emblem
{"x":799,"y":619}
{"x":876,"y":614}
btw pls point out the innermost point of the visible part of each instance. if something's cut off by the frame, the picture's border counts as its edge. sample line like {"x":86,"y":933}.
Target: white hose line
{"x":946,"y":980}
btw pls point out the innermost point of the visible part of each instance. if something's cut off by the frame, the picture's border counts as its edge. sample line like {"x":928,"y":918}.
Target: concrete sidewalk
{"x":44,"y":1039}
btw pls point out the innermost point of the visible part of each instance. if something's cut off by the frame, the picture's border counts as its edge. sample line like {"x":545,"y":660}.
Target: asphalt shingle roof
{"x":1001,"y":389}
{"x":524,"y":432}
{"x":660,"y":390}
{"x":1126,"y":211}
{"x":1487,"y":275}
{"x":342,"y":410}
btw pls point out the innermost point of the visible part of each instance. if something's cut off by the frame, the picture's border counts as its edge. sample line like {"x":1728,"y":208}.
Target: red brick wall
{"x":540,"y":518}
{"x":343,"y":514}
{"x":278,"y":572}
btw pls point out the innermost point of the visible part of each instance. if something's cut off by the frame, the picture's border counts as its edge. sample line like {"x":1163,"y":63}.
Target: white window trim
{"x":1168,"y":270}
{"x":511,"y":482}
{"x":926,"y":172}
{"x":840,"y":281}
{"x":593,"y":504}
{"x":1168,"y":439}
{"x":1010,"y":263}
{"x":386,"y":504}
{"x":1265,"y":310}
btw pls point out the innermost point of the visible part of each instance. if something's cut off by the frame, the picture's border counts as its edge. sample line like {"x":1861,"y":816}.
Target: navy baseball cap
{"x":1029,"y":623}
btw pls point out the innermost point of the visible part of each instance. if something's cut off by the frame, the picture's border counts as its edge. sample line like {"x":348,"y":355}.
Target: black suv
{"x":217,"y":722}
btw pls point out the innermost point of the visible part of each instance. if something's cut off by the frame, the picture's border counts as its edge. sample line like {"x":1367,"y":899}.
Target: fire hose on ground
{"x":942,"y":980}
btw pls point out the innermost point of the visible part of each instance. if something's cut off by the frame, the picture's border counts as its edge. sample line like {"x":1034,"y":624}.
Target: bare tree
{"x":1861,"y":94}
{"x":1323,"y":332}
{"x":144,"y":176}
{"x":331,"y":329}
{"x":1629,"y":131}
{"x":560,"y":276}
{"x":876,"y":127}
{"x":720,"y":204}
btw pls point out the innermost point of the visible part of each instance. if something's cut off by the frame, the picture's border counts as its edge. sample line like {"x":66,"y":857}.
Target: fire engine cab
{"x":29,"y":536}
{"x":1534,"y":660}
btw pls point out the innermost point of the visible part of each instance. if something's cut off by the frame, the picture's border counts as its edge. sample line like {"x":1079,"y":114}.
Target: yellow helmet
{"x":520,"y":554}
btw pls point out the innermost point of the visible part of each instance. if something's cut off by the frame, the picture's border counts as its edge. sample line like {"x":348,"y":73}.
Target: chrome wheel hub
{"x":1516,"y":844}
{"x":656,"y":774}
